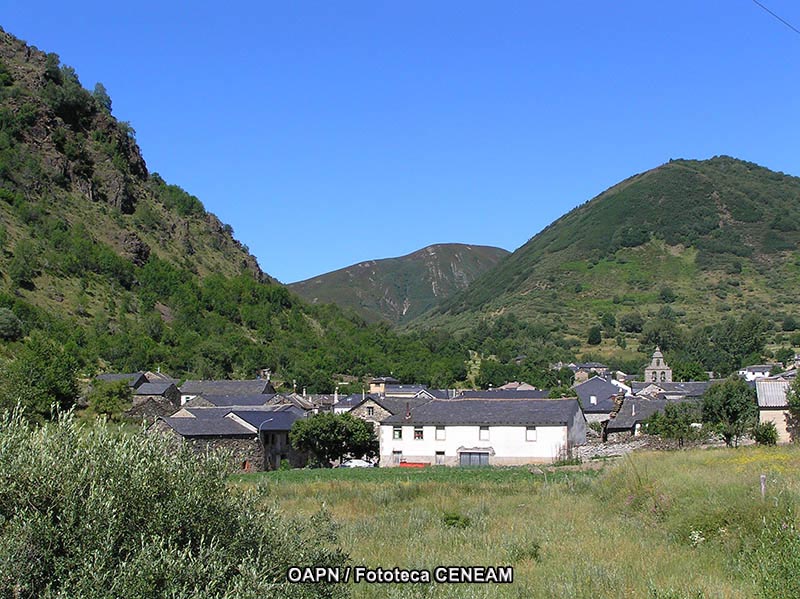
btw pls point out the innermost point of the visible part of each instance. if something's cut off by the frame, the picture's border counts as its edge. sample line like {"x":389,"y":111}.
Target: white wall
{"x":507,"y":444}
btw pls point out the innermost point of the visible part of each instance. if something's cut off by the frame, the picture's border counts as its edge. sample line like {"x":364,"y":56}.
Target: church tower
{"x":658,"y":371}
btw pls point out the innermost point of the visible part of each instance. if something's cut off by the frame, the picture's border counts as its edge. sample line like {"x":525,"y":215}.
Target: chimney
{"x":633,"y":409}
{"x":408,"y":411}
{"x":304,"y":391}
{"x":363,"y":394}
{"x":336,"y":394}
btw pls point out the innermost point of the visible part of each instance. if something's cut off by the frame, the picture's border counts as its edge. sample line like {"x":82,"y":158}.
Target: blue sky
{"x":327,"y":133}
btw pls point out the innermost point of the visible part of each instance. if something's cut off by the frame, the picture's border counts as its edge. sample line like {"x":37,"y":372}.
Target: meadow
{"x":657,"y":525}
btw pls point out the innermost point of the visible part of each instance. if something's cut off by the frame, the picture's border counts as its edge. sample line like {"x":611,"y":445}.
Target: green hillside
{"x":400,"y":289}
{"x":107,"y":266}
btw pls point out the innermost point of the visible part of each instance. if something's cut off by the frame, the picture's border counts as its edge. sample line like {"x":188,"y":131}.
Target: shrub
{"x":595,"y":336}
{"x":456,"y":520}
{"x":98,"y":513}
{"x":765,"y":433}
{"x":10,"y":325}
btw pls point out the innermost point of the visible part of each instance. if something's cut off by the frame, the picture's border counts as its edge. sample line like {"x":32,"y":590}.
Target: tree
{"x":675,"y":422}
{"x":22,"y":268}
{"x":102,"y":98}
{"x":10,"y":325}
{"x":42,"y":376}
{"x":96,"y":512}
{"x":632,"y":322}
{"x":608,"y":322}
{"x":793,"y":407}
{"x":330,"y":437}
{"x":110,"y":397}
{"x":731,"y":409}
{"x":595,"y":336}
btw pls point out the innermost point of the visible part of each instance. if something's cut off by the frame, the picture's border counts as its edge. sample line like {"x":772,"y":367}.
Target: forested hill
{"x":703,"y":239}
{"x":400,"y":289}
{"x":105,"y":264}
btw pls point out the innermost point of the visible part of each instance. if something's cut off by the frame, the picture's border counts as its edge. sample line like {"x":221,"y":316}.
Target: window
{"x":397,"y":432}
{"x":417,"y":433}
{"x":483,"y":434}
{"x":530,"y":433}
{"x":397,"y":456}
{"x":440,"y":457}
{"x":593,"y":400}
{"x":440,"y":433}
{"x":655,"y":376}
{"x":370,"y":411}
{"x":663,"y":377}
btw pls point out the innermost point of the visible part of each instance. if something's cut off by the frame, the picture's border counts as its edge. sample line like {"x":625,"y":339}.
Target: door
{"x":473,"y":458}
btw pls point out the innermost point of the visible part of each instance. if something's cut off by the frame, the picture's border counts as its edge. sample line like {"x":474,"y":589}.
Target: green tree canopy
{"x":330,"y":437}
{"x":675,"y":422}
{"x":110,"y":398}
{"x":731,"y":408}
{"x":42,"y":376}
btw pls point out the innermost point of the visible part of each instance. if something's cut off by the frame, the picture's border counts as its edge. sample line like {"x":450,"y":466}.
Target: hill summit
{"x":702,"y":237}
{"x":400,"y":289}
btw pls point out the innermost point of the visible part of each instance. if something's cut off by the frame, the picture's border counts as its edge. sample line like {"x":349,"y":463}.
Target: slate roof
{"x":207,"y":427}
{"x":267,"y":420}
{"x":404,"y":389}
{"x":603,"y":391}
{"x":398,"y":405}
{"x":349,"y":401}
{"x":220,"y":412}
{"x":686,"y":389}
{"x":759,"y":368}
{"x":504,"y":394}
{"x":249,"y":387}
{"x":152,"y":388}
{"x":771,"y":393}
{"x":530,"y":412}
{"x":256,"y":399}
{"x":638,"y":409}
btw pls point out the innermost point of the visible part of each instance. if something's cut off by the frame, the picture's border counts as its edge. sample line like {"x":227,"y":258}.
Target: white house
{"x":756,"y":371}
{"x":478,"y":432}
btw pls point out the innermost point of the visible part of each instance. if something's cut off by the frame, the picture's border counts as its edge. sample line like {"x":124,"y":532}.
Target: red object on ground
{"x":413,"y":464}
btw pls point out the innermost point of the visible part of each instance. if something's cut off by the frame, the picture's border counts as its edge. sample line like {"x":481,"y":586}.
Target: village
{"x":515,"y":424}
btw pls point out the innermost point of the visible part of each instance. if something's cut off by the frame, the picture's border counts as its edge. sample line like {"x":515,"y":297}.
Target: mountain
{"x":399,"y":289}
{"x":691,"y":241}
{"x":112,"y":268}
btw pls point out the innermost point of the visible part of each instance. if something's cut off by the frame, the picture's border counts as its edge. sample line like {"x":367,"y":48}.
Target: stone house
{"x":478,"y":432}
{"x":598,"y":398}
{"x":376,"y":408}
{"x":151,"y":400}
{"x":256,"y":438}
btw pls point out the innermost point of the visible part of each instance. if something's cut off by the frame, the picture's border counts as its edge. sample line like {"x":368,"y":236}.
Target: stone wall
{"x":379,"y":413}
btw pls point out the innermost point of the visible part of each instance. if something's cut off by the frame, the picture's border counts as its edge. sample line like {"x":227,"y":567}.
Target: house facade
{"x":773,"y":407}
{"x":474,"y":432}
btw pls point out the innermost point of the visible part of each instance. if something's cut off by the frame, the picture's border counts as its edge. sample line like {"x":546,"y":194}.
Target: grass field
{"x":657,"y":525}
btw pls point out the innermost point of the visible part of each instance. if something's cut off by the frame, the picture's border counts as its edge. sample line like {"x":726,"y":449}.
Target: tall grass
{"x":678,"y":525}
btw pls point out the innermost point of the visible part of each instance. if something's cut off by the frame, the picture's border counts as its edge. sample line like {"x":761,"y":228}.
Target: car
{"x":357,"y":463}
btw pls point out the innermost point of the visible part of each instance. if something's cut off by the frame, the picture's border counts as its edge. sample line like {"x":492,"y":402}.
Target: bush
{"x":595,"y":336}
{"x":10,"y":325}
{"x":765,"y":433}
{"x":98,"y":513}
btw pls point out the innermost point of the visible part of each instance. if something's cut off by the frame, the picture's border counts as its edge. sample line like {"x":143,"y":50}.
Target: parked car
{"x":356,"y":464}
